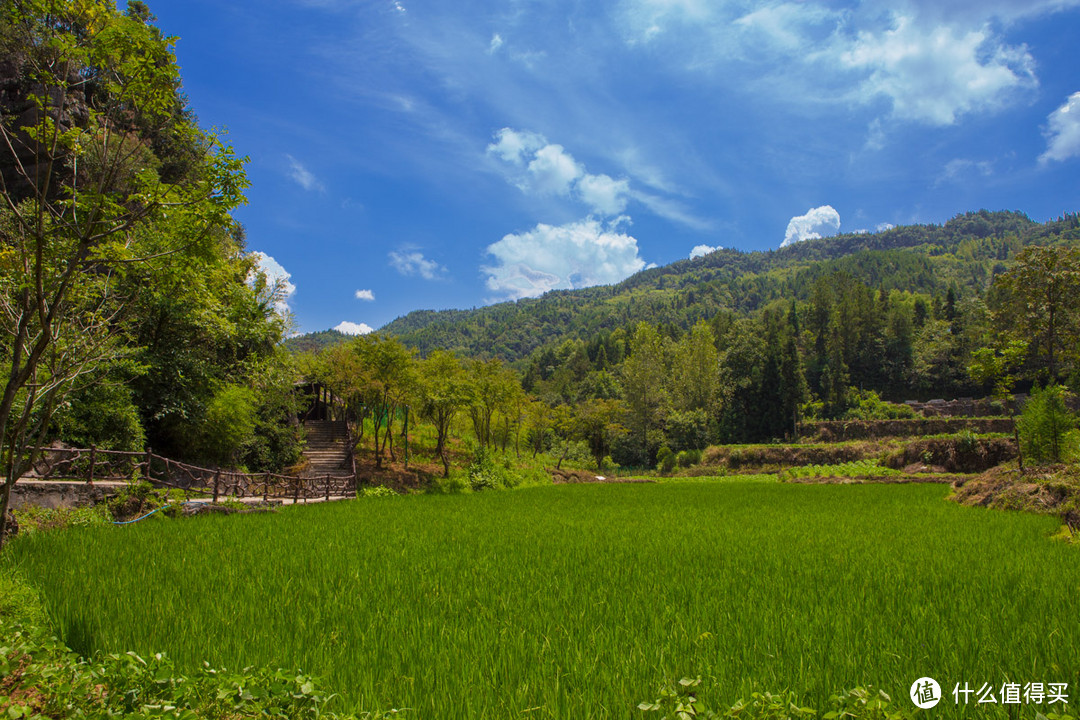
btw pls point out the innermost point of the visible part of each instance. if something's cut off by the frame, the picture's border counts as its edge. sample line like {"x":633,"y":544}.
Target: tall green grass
{"x":581,"y":601}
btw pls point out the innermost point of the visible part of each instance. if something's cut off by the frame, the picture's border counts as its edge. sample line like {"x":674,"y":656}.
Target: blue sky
{"x":414,"y":154}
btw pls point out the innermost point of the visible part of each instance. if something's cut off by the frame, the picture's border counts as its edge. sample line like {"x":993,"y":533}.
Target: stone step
{"x":326,"y":451}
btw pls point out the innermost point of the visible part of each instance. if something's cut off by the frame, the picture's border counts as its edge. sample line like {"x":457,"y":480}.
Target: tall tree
{"x":103,"y":173}
{"x":444,"y":391}
{"x":644,"y":375}
{"x":491,"y":384}
{"x":389,"y":379}
{"x":695,"y":378}
{"x":1038,"y":299}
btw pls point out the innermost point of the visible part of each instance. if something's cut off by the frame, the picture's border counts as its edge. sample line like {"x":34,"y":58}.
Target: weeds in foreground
{"x":42,"y":678}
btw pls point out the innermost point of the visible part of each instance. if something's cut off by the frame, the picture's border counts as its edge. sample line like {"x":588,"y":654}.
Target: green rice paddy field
{"x":582,"y":601}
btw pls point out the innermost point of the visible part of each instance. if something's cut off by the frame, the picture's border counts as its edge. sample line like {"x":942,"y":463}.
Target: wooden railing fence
{"x":92,"y":464}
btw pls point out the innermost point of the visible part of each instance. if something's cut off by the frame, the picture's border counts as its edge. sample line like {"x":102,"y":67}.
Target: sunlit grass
{"x":580,"y":601}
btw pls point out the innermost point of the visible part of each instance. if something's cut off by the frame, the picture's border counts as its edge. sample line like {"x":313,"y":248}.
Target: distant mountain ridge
{"x":964,"y":254}
{"x":314,"y":341}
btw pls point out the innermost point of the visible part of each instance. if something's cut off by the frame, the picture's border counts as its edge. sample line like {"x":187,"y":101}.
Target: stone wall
{"x":966,"y":407}
{"x":60,"y":494}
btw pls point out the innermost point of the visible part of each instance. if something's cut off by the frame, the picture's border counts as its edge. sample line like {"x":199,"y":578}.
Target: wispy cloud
{"x":931,"y":62}
{"x":302,"y":176}
{"x":414,"y":263}
{"x":539,"y":167}
{"x":960,"y":168}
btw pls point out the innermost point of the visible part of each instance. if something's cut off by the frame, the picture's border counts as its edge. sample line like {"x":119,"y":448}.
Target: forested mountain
{"x":963,"y":255}
{"x":315,"y":341}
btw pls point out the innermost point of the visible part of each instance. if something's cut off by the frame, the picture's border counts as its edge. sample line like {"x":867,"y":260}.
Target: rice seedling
{"x":580,"y":601}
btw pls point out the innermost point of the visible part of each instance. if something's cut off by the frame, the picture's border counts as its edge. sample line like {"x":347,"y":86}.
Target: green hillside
{"x":963,"y":254}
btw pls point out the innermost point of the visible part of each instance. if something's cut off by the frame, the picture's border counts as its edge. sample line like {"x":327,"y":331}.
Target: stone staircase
{"x":327,"y":448}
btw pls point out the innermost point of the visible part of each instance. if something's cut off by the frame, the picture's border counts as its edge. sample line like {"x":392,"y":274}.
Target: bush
{"x":229,"y":424}
{"x":686,"y":458}
{"x":1046,"y":427}
{"x":665,"y":459}
{"x":104,"y":415}
{"x":486,"y":472}
{"x":688,"y":430}
{"x":867,"y":405}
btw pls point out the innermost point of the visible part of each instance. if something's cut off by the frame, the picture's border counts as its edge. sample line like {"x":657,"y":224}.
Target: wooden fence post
{"x":217,"y":483}
{"x":90,"y":472}
{"x":146,"y":465}
{"x":266,"y":485}
{"x":296,"y":491}
{"x":328,"y":486}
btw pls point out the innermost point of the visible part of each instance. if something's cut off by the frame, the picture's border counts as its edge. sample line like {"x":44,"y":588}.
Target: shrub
{"x":688,"y":430}
{"x":665,"y":459}
{"x":686,"y":458}
{"x":101,"y":414}
{"x":867,"y":405}
{"x":487,"y":472}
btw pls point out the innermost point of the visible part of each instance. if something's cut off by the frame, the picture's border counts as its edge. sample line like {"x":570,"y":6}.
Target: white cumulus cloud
{"x":303,"y":177}
{"x":702,"y":250}
{"x":934,"y":75}
{"x":277,"y":280}
{"x":1063,"y":131}
{"x":550,"y":257}
{"x":603,"y":194}
{"x":365,"y":295}
{"x":414,"y":263}
{"x":513,"y":146}
{"x":350,"y":328}
{"x":552,"y":171}
{"x":817,"y":222}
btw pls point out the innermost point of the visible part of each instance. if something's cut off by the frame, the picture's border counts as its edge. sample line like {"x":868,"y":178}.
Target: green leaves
{"x":681,"y":703}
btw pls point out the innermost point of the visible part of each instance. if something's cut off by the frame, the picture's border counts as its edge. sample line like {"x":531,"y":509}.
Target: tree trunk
{"x":376,"y":423}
